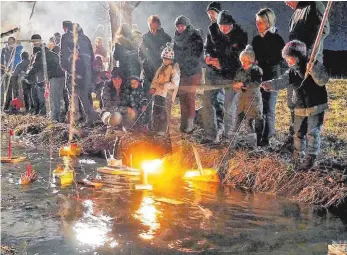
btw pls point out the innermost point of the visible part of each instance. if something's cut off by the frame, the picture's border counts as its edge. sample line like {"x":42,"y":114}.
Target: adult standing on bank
{"x":188,"y":48}
{"x":268,"y":45}
{"x":304,"y":25}
{"x":213,"y":100}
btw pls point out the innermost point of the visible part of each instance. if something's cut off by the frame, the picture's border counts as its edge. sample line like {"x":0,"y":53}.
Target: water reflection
{"x":147,"y":214}
{"x":93,"y":230}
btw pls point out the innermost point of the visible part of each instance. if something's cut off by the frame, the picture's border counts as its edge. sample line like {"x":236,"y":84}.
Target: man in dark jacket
{"x":83,"y":67}
{"x":55,"y":76}
{"x":228,"y":46}
{"x":18,"y":72}
{"x":188,"y":48}
{"x":6,"y":53}
{"x":304,"y":25}
{"x":153,"y":43}
{"x":213,"y":100}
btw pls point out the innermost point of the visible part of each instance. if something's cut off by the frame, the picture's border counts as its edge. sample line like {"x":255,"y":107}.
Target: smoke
{"x":48,"y":17}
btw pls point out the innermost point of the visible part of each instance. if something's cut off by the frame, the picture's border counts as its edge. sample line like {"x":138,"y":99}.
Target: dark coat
{"x":268,"y":53}
{"x":150,"y":51}
{"x":53,"y":68}
{"x":126,"y":52}
{"x":6,"y":53}
{"x":111,"y":101}
{"x":66,"y":51}
{"x":305,"y":23}
{"x":227,"y":49}
{"x":188,"y":48}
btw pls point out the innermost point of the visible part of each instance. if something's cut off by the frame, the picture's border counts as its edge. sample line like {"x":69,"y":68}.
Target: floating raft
{"x":124,"y":170}
{"x":12,"y":159}
{"x":208,"y":175}
{"x":72,"y":150}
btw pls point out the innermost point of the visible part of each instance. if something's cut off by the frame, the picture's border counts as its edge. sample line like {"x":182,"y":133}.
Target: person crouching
{"x":113,"y":101}
{"x":164,"y":88}
{"x":310,"y":101}
{"x":247,"y":82}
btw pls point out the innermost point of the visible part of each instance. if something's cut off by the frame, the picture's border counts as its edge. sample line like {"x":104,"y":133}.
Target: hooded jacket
{"x":166,"y":78}
{"x":188,"y":48}
{"x":150,"y":50}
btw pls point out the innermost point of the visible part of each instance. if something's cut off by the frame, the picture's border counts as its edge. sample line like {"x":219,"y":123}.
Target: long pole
{"x":318,"y":38}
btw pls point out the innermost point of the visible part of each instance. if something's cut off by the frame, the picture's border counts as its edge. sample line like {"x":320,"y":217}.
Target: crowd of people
{"x":241,"y":80}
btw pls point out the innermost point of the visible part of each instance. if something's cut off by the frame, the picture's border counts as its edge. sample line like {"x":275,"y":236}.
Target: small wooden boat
{"x":72,"y":150}
{"x":12,"y":159}
{"x":90,"y":183}
{"x":29,"y":176}
{"x":124,"y":170}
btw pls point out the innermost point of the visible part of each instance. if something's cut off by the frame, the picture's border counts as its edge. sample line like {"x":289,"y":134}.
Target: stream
{"x":45,"y":218}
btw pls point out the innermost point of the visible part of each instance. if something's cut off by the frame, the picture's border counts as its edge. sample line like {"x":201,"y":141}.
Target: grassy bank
{"x":257,"y":171}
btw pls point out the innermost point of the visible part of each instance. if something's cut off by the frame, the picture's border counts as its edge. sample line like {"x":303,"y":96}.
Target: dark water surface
{"x":44,"y":218}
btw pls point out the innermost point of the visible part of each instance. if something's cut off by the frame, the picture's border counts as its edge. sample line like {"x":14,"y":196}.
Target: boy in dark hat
{"x":310,"y":101}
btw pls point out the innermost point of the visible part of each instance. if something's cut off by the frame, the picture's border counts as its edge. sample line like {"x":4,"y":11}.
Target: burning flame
{"x":151,"y":166}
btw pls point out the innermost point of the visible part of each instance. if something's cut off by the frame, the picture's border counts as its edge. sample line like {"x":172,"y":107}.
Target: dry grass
{"x":254,"y":171}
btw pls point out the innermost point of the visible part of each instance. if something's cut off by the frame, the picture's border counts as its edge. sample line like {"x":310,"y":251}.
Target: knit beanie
{"x":36,"y":37}
{"x":67,"y":24}
{"x":225,"y":18}
{"x":294,"y":48}
{"x":248,"y":51}
{"x":168,"y":52}
{"x":116,"y":73}
{"x":182,"y":20}
{"x":214,"y":6}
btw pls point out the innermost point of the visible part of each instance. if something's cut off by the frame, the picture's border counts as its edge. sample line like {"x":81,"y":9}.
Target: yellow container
{"x":66,"y":178}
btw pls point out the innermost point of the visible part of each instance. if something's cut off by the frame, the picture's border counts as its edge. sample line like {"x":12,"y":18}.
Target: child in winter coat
{"x":113,"y":97}
{"x":164,"y":88}
{"x":136,"y":102}
{"x":310,"y":101}
{"x":247,"y":83}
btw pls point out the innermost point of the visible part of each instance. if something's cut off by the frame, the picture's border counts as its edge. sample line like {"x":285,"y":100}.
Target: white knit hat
{"x":168,"y":52}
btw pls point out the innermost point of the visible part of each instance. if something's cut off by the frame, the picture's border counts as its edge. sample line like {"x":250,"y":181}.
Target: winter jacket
{"x":6,"y":54}
{"x":310,"y":94}
{"x":251,"y":80}
{"x":21,"y":68}
{"x":66,"y":51}
{"x":111,"y":101}
{"x":126,"y":52}
{"x":53,"y":68}
{"x":165,"y":79}
{"x":100,"y":51}
{"x":136,"y":99}
{"x":268,"y":53}
{"x":150,"y":50}
{"x":305,"y":23}
{"x":188,"y":48}
{"x":227,"y":49}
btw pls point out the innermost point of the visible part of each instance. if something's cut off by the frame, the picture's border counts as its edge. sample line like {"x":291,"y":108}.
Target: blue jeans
{"x":269,"y":110}
{"x":213,"y":112}
{"x":230,"y":105}
{"x":308,"y":132}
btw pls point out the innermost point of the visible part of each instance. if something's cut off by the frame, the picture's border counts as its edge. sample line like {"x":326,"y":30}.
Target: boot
{"x":211,"y":140}
{"x":309,"y":162}
{"x":252,"y":140}
{"x":190,"y":126}
{"x":288,"y":144}
{"x":298,"y":158}
{"x":183,"y":124}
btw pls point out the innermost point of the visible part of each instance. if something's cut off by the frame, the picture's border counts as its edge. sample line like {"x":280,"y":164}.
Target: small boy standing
{"x":247,"y":83}
{"x":310,"y":101}
{"x":164,"y":88}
